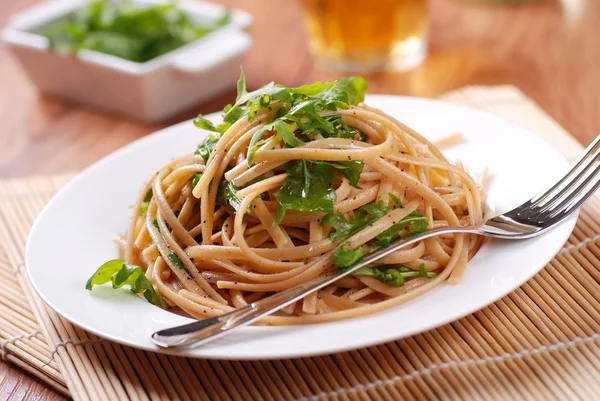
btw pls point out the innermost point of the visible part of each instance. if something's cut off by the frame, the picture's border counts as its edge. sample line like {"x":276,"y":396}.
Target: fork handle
{"x":203,"y":331}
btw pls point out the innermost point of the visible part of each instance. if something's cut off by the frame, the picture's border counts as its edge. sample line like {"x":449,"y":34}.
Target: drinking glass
{"x":367,"y":35}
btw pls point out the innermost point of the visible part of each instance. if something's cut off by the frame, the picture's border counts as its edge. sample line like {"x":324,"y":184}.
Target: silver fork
{"x":532,"y":218}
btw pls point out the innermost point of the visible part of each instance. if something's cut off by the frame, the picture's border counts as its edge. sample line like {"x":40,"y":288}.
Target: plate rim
{"x":363,"y":344}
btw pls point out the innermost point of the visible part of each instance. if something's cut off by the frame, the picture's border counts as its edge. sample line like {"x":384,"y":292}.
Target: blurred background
{"x":547,"y":48}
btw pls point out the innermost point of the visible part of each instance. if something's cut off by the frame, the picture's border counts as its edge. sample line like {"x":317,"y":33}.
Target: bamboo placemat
{"x":539,"y":342}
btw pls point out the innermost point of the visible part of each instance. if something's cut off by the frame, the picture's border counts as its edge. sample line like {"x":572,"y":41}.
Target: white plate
{"x":72,"y":237}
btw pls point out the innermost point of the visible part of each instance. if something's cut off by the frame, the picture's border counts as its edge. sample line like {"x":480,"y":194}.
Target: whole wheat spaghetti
{"x":294,"y":183}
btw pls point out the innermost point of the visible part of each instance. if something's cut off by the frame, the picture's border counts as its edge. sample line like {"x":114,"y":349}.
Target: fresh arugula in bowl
{"x":126,"y":30}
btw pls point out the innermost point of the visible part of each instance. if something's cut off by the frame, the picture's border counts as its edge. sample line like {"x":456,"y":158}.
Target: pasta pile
{"x":290,"y":187}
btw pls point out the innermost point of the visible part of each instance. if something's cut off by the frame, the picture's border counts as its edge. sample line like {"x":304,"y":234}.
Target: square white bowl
{"x":151,"y":91}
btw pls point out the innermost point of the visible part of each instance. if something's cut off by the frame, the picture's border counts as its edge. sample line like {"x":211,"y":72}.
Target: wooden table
{"x":552,"y":57}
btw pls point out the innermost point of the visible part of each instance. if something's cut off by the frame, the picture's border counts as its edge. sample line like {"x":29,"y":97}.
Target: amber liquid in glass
{"x":367,"y":35}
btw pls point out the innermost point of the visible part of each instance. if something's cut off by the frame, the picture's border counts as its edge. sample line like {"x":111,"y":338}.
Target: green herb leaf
{"x":206,"y":147}
{"x":344,"y":92}
{"x":172,"y":256}
{"x":364,"y":216}
{"x":123,"y":29}
{"x":351,"y":169}
{"x":155,"y":223}
{"x":342,"y":130}
{"x":344,"y":259}
{"x":282,"y":131}
{"x":306,"y":115}
{"x":241,"y":87}
{"x":415,"y":221}
{"x":341,"y":93}
{"x":257,"y":98}
{"x":143,"y":209}
{"x":307,"y":188}
{"x":396,"y":202}
{"x":300,"y":106}
{"x":393,"y":275}
{"x":196,"y":179}
{"x":148,"y":196}
{"x":226,"y":196}
{"x":120,"y":274}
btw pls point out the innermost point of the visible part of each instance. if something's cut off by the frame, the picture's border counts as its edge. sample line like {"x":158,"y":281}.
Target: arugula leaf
{"x":120,"y":274}
{"x":306,"y":115}
{"x":282,"y":131}
{"x":203,"y":123}
{"x":123,"y":29}
{"x":351,"y":169}
{"x":344,"y":92}
{"x":341,"y":93}
{"x":206,"y":147}
{"x":397,"y":202}
{"x":393,"y":275}
{"x":415,"y":220}
{"x":307,"y":188}
{"x":172,"y":256}
{"x":342,"y":130}
{"x":257,"y":98}
{"x":343,"y":259}
{"x":144,"y":205}
{"x":155,"y":223}
{"x":226,"y":196}
{"x":311,"y":89}
{"x":196,"y":179}
{"x":148,"y":195}
{"x":364,"y":216}
{"x":301,"y":106}
{"x":241,"y":87}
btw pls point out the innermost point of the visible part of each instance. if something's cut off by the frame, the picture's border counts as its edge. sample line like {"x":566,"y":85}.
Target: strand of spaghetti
{"x":131,"y":232}
{"x":423,"y":191}
{"x":197,"y":229}
{"x":175,"y":297}
{"x":412,"y":133}
{"x":238,"y":129}
{"x":183,"y":173}
{"x":404,"y":255}
{"x":241,"y":241}
{"x":380,"y":306}
{"x":163,"y":248}
{"x":246,"y":274}
{"x":366,"y":196}
{"x":351,"y":151}
{"x":168,"y":214}
{"x":356,"y":240}
{"x":471,"y":185}
{"x":278,"y":235}
{"x":186,"y":213}
{"x":200,"y":252}
{"x":272,"y":182}
{"x":473,"y":212}
{"x":189,"y":267}
{"x":242,"y":165}
{"x":208,"y":200}
{"x":459,"y":270}
{"x":256,"y":171}
{"x":356,"y":294}
{"x":450,"y":140}
{"x":370,"y":129}
{"x":389,"y":125}
{"x":342,"y":192}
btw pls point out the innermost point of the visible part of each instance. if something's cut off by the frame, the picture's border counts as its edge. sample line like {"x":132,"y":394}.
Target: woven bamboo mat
{"x":539,"y":342}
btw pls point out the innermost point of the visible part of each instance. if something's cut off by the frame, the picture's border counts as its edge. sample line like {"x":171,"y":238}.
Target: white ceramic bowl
{"x":150,"y":91}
